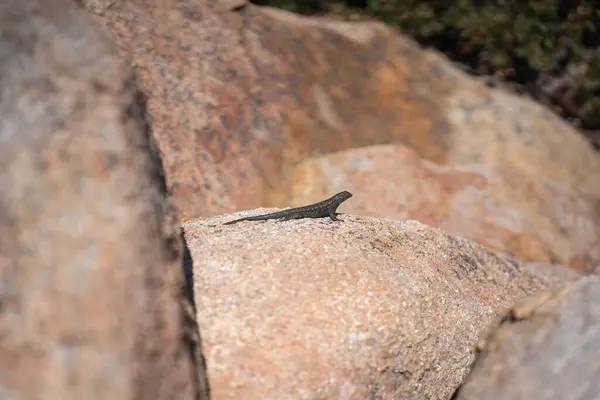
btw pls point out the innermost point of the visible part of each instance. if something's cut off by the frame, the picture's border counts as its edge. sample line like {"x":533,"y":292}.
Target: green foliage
{"x":517,"y":39}
{"x":526,"y":29}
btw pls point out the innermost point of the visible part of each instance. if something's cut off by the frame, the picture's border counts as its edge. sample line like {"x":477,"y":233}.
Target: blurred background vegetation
{"x":547,"y":49}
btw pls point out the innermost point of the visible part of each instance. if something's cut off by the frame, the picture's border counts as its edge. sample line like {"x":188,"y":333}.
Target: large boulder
{"x":92,"y":305}
{"x":354,"y":309}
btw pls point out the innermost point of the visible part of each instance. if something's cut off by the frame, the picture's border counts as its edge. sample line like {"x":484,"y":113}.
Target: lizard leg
{"x":333,"y":217}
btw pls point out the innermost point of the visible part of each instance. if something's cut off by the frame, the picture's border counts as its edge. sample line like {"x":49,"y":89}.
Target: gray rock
{"x":546,"y":347}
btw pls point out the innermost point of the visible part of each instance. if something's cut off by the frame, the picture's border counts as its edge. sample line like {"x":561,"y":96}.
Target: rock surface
{"x":542,"y":220}
{"x":546,"y":347}
{"x":363,"y":308}
{"x":90,"y":254}
{"x":243,"y":95}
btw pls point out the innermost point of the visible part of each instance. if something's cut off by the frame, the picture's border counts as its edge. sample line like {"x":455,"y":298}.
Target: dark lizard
{"x":322,"y":209}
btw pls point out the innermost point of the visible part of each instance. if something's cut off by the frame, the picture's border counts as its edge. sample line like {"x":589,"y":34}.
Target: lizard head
{"x":343,"y":195}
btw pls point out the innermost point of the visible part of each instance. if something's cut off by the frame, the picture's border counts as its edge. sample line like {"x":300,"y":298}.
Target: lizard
{"x":322,"y":209}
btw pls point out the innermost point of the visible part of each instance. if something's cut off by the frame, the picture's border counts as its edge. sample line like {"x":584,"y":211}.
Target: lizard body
{"x":322,"y":209}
